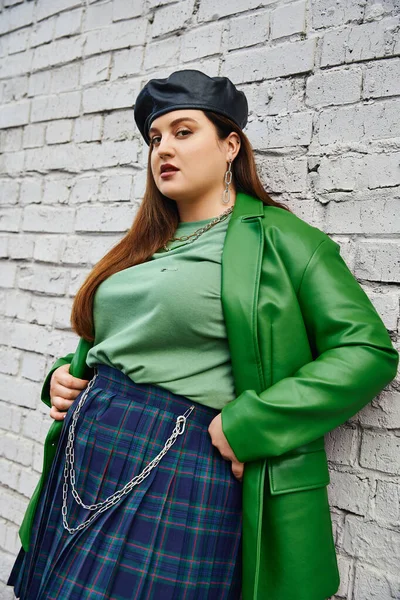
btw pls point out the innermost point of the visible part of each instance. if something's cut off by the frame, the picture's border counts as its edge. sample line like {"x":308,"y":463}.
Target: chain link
{"x":116,"y":497}
{"x":201,"y":230}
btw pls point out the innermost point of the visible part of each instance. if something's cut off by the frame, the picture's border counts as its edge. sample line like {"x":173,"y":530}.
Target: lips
{"x":168,"y":167}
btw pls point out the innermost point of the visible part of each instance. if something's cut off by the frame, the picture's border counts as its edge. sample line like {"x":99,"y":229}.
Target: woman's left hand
{"x":219,"y":440}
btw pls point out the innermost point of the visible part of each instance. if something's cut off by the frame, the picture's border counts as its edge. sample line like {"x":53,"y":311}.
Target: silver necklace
{"x":201,"y":230}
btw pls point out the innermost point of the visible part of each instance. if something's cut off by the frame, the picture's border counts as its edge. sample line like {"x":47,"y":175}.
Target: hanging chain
{"x":116,"y":497}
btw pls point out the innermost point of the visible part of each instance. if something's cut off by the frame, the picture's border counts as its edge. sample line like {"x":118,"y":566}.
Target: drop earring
{"x":226,"y":196}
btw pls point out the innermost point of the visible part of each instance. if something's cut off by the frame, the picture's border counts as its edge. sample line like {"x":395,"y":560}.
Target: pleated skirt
{"x":176,"y":535}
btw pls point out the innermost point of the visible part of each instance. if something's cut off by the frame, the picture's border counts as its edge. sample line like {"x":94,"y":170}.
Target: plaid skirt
{"x":176,"y":535}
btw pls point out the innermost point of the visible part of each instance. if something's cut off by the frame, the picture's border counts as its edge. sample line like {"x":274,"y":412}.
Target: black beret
{"x":189,"y":88}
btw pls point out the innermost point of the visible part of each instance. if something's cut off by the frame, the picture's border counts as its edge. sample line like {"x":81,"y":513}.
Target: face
{"x":191,"y":145}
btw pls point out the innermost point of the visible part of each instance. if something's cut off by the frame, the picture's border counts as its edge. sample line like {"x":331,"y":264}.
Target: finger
{"x":237,"y":470}
{"x":61,"y":404}
{"x":64,"y":377}
{"x":56,"y":414}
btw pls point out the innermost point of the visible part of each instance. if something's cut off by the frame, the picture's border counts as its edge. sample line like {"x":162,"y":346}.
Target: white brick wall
{"x":323,"y":83}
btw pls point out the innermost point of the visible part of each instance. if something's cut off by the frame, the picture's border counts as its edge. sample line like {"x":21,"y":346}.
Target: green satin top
{"x":161,"y":322}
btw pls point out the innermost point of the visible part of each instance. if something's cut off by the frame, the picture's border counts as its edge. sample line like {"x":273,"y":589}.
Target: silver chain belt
{"x":116,"y":497}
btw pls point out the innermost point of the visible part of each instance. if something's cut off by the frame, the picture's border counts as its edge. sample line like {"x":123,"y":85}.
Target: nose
{"x":164,"y":147}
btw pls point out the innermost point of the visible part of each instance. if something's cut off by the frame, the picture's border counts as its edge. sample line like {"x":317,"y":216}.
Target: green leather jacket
{"x":308,"y":351}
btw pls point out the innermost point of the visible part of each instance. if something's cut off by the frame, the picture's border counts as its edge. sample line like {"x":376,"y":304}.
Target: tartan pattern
{"x":176,"y":536}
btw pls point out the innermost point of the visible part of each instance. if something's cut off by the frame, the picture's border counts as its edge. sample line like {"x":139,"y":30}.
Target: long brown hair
{"x":155,"y":223}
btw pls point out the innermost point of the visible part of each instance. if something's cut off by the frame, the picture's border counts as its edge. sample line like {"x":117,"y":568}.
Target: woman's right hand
{"x":64,"y":388}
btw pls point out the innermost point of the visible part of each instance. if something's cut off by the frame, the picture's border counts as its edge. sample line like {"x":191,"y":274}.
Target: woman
{"x":185,"y":309}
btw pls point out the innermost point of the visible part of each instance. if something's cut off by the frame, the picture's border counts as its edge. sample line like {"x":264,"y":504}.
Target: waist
{"x":118,"y":382}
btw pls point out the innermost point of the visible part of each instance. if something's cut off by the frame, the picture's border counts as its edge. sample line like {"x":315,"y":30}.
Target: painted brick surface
{"x":322,"y":80}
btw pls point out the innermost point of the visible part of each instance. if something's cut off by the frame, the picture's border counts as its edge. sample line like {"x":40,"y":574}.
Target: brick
{"x":266,"y":63}
{"x":162,"y":53}
{"x":122,"y":34}
{"x":9,"y":190}
{"x":327,"y":14}
{"x":46,"y":8}
{"x":98,"y":16}
{"x":382,"y":78}
{"x":116,"y":188}
{"x":48,"y":219}
{"x":43,"y":32}
{"x":85,"y":189}
{"x":57,"y":191}
{"x":284,"y":174}
{"x":380,"y":452}
{"x":110,"y":96}
{"x":16,"y":17}
{"x":104,"y":218}
{"x":9,"y":363}
{"x":48,"y":248}
{"x":8,"y":274}
{"x":172,"y":18}
{"x":68,"y":23}
{"x":349,"y":491}
{"x":373,"y":584}
{"x":127,"y":62}
{"x":280,"y":131}
{"x":357,"y":123}
{"x":370,"y":216}
{"x":10,"y":219}
{"x":288,"y":19}
{"x":383,"y":412}
{"x":95,"y":69}
{"x":34,"y":135}
{"x":16,"y":64}
{"x":57,"y":52}
{"x":30,"y":192}
{"x":59,"y":132}
{"x":16,"y":304}
{"x":201,"y":42}
{"x":51,"y":281}
{"x":87,"y":250}
{"x":57,"y":106}
{"x":127,"y":10}
{"x":358,"y":172}
{"x":21,"y":247}
{"x":368,"y":541}
{"x":360,"y":42}
{"x":15,"y":114}
{"x":248,"y":30}
{"x":13,"y":507}
{"x":17,"y":449}
{"x":334,"y":87}
{"x":387,"y":503}
{"x":62,"y":316}
{"x":212,"y":11}
{"x":378,"y":261}
{"x":33,"y":366}
{"x":88,"y":128}
{"x":340,"y":445}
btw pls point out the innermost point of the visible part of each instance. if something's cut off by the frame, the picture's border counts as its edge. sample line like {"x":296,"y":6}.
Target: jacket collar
{"x":247,"y":206}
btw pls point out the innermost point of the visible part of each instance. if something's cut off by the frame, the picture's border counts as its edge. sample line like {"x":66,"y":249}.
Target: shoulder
{"x":292,"y":242}
{"x":287,"y":230}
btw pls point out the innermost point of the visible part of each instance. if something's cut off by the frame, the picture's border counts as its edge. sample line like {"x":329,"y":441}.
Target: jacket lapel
{"x":240,"y":279}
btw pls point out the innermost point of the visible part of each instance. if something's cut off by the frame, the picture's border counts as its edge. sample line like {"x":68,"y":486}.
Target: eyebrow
{"x":175,"y":122}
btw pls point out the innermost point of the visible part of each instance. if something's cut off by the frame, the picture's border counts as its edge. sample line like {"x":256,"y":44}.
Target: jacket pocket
{"x":295,"y":472}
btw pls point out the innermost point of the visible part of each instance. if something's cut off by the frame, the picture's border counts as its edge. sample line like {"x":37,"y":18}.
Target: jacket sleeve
{"x":45,"y":395}
{"x":355,"y":360}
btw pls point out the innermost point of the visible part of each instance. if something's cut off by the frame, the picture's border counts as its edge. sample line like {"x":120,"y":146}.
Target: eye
{"x":180,"y":131}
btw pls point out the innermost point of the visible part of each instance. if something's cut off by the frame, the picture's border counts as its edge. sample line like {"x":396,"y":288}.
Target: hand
{"x":219,"y":440}
{"x":64,"y":388}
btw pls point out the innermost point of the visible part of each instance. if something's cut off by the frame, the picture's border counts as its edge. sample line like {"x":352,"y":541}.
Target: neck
{"x":204,"y":209}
